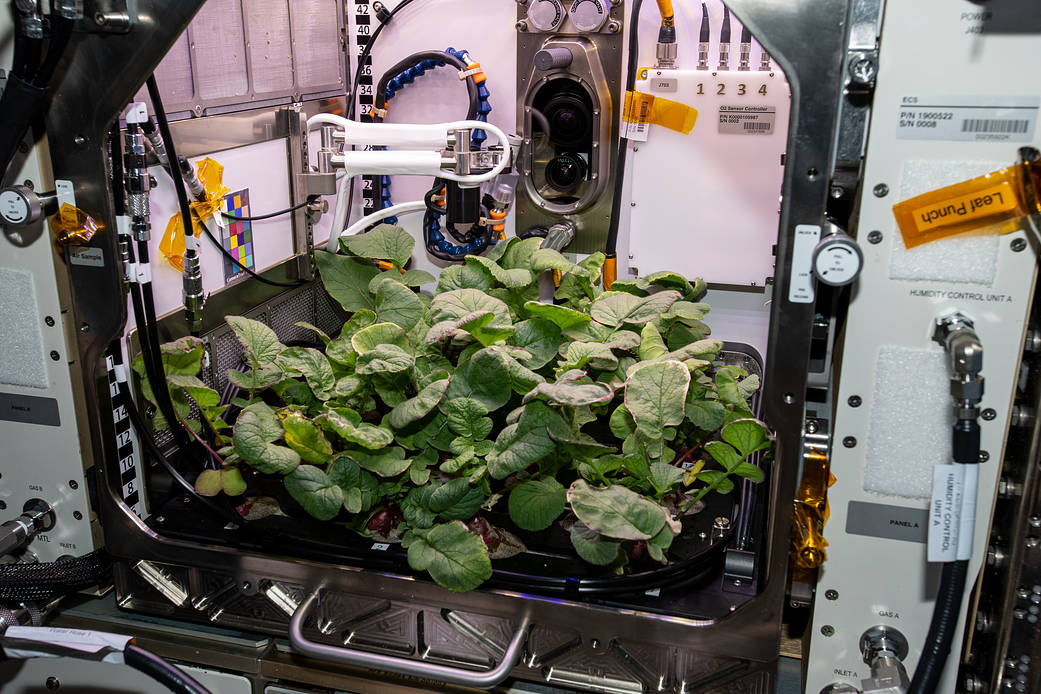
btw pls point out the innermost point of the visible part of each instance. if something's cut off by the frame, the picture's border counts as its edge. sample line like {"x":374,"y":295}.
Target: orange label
{"x":975,"y":205}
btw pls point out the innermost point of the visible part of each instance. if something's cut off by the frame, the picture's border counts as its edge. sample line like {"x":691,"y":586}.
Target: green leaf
{"x":347,"y":279}
{"x":594,"y":547}
{"x":746,"y":435}
{"x":518,"y":277}
{"x":522,"y":444}
{"x":389,"y":464}
{"x":655,"y":394}
{"x":256,"y":379}
{"x":535,"y":504}
{"x":208,"y":483}
{"x":371,"y":337}
{"x":232,"y":482}
{"x":616,"y":511}
{"x":259,"y":341}
{"x":385,"y":359}
{"x":203,"y":395}
{"x":621,"y":422}
{"x":345,"y":474}
{"x":398,"y":304}
{"x":594,"y":354}
{"x":657,"y":545}
{"x":347,"y":386}
{"x":520,"y":254}
{"x":707,"y":415}
{"x":485,"y":378}
{"x":347,"y":424}
{"x":576,"y":287}
{"x":540,"y":338}
{"x":455,"y":500}
{"x":622,"y":340}
{"x":316,"y":330}
{"x":619,"y":309}
{"x":522,"y":378}
{"x":664,"y":477}
{"x":651,"y":344}
{"x":312,"y":489}
{"x":304,"y":437}
{"x":481,"y":329}
{"x":313,"y":366}
{"x":416,"y":278}
{"x":457,"y":303}
{"x":466,"y":418}
{"x":549,"y":259}
{"x":702,"y":349}
{"x":565,"y":318}
{"x":750,"y":472}
{"x":256,"y":427}
{"x":455,"y":558}
{"x":717,"y":480}
{"x":672,"y":280}
{"x":465,"y":277}
{"x":724,"y":454}
{"x":687,"y":311}
{"x":414,"y":409}
{"x":385,"y":242}
{"x":635,"y":286}
{"x":572,"y":393}
{"x":726,"y":388}
{"x":181,"y":357}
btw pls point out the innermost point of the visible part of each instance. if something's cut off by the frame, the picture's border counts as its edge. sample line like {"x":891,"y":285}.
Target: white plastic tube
{"x":413,"y":162}
{"x":379,"y":215}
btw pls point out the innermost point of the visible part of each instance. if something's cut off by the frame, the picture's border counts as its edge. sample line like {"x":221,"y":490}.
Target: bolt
{"x":594,"y":643}
{"x":984,"y":456}
{"x":632,"y":204}
{"x":160,"y":519}
{"x":827,"y":630}
{"x":849,"y":442}
{"x":522,"y":25}
{"x":1033,"y":542}
{"x":79,"y":140}
{"x":1035,"y":521}
{"x":989,"y":414}
{"x":811,"y":426}
{"x":721,"y":523}
{"x":881,"y":190}
{"x":831,"y":594}
{"x":862,"y":69}
{"x":54,"y":355}
{"x":702,"y":535}
{"x":49,"y":321}
{"x":1023,"y":593}
{"x":837,"y":191}
{"x":29,"y":184}
{"x":73,"y":484}
{"x":789,"y":398}
{"x":52,"y":683}
{"x":1018,"y":245}
{"x":613,"y":26}
{"x":854,"y":401}
{"x":1019,"y":613}
{"x":874,"y":238}
{"x":77,"y":515}
{"x":100,"y":19}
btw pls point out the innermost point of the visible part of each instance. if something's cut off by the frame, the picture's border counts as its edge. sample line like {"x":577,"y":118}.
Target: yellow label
{"x":641,"y":110}
{"x":975,"y":205}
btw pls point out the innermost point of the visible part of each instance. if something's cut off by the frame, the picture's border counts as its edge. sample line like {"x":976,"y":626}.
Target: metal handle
{"x":401,"y":666}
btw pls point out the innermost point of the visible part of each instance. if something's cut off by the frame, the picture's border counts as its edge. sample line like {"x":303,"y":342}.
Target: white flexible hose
{"x":392,"y":211}
{"x":339,"y":213}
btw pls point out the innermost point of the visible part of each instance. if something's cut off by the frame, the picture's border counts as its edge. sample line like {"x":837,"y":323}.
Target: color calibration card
{"x":237,"y":236}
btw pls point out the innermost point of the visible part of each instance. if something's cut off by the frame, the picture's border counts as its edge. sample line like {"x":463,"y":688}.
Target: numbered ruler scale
{"x":362,"y":30}
{"x":706,"y":204}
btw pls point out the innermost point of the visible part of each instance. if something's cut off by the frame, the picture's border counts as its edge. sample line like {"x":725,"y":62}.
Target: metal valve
{"x":21,"y":206}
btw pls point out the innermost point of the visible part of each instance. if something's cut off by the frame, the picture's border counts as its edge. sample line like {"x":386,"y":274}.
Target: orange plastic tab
{"x":641,"y":109}
{"x":987,"y":204}
{"x":211,"y":175}
{"x":497,"y":216}
{"x":811,"y":512}
{"x":73,"y":227}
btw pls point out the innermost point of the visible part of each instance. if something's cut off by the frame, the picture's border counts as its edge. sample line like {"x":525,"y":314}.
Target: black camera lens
{"x":570,"y":120}
{"x":565,"y":172}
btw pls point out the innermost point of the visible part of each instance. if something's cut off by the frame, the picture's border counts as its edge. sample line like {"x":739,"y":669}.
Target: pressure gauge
{"x":589,"y":15}
{"x":837,"y":259}
{"x":546,"y":15}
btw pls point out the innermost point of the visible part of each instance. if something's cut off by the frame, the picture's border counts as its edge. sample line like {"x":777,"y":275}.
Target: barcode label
{"x":990,"y":125}
{"x":747,"y":120}
{"x":636,"y":116}
{"x":968,"y":118}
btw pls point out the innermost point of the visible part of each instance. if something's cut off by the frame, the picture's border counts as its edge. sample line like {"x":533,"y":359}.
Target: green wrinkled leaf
{"x":594,"y":547}
{"x":581,"y":287}
{"x":259,"y":341}
{"x":519,"y":254}
{"x":522,"y":444}
{"x":651,"y":345}
{"x":384,"y":242}
{"x":347,"y":424}
{"x":748,"y":387}
{"x":371,"y":337}
{"x":465,"y":277}
{"x":345,"y":474}
{"x":255,"y":429}
{"x":455,"y":558}
{"x":467,"y":418}
{"x":256,"y":379}
{"x":726,"y":388}
{"x":414,"y":409}
{"x":615,"y":310}
{"x":347,"y":386}
{"x":724,"y":454}
{"x":573,"y":393}
{"x":313,"y":366}
{"x":616,"y":512}
{"x":316,"y":330}
{"x":208,"y":483}
{"x":655,"y":393}
{"x":485,"y":378}
{"x":347,"y":280}
{"x":518,"y":277}
{"x":304,"y":437}
{"x":564,"y":318}
{"x":535,"y":504}
{"x":457,"y":303}
{"x":593,"y":354}
{"x":385,"y":359}
{"x":540,"y":337}
{"x":621,"y":422}
{"x":672,"y":280}
{"x":549,"y":259}
{"x":664,"y":477}
{"x":398,"y":304}
{"x":716,"y":480}
{"x":686,"y":310}
{"x":312,"y":489}
{"x":389,"y":464}
{"x":747,"y":436}
{"x":455,"y":500}
{"x":749,"y":472}
{"x":707,"y":415}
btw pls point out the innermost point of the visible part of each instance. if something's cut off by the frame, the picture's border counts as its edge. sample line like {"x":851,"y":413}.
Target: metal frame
{"x":83,"y":110}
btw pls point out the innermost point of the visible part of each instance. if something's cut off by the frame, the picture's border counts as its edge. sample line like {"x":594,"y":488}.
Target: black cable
{"x":61,"y":33}
{"x":269,"y":215}
{"x":44,"y":581}
{"x":941,"y":629}
{"x":171,"y":151}
{"x":706,"y":30}
{"x":173,"y":678}
{"x":251,"y":273}
{"x":18,"y":63}
{"x":724,"y":30}
{"x":623,"y":143}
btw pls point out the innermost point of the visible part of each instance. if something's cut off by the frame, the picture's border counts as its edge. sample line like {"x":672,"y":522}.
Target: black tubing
{"x":941,"y":629}
{"x":380,"y":97}
{"x":171,"y":151}
{"x":173,"y":678}
{"x":623,"y":144}
{"x":45,"y":581}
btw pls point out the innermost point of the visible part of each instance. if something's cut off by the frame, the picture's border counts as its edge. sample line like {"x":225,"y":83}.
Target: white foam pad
{"x":21,"y":345}
{"x":965,"y":258}
{"x":910,"y":421}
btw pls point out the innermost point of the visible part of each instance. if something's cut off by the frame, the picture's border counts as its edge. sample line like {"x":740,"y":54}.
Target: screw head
{"x":881,"y":190}
{"x":77,"y":515}
{"x":1018,"y":245}
{"x":837,"y":192}
{"x":989,"y":414}
{"x":831,"y":594}
{"x":854,"y":401}
{"x":52,"y":683}
{"x":849,"y":441}
{"x":984,"y":456}
{"x":73,"y":484}
{"x":49,"y":321}
{"x":827,"y":630}
{"x":874,"y":238}
{"x":54,"y":355}
{"x":863,"y":68}
{"x":721,"y":523}
{"x":79,"y":140}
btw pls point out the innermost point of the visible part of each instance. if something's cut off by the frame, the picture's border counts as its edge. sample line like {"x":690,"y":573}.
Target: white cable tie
{"x":137,"y":113}
{"x":132,"y":272}
{"x":378,"y":112}
{"x":463,"y":74}
{"x":123,"y":225}
{"x":120,"y":371}
{"x":144,"y":273}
